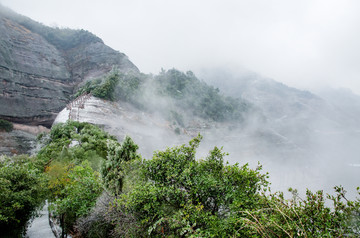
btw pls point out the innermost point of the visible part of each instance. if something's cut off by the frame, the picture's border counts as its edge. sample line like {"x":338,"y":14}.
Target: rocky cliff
{"x":40,"y":67}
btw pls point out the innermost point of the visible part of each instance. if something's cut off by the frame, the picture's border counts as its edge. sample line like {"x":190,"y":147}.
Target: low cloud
{"x":304,"y":44}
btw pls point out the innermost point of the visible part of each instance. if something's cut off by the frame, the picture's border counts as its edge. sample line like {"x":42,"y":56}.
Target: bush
{"x":72,"y":156}
{"x":181,"y":196}
{"x":74,"y":192}
{"x":115,"y":86}
{"x":175,"y":195}
{"x":102,"y":88}
{"x":100,"y":221}
{"x":6,"y":125}
{"x":308,"y":217}
{"x":91,"y":140}
{"x":114,"y":168}
{"x":22,"y":187}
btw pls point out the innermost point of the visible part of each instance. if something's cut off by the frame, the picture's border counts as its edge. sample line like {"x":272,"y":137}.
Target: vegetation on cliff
{"x":5,"y":125}
{"x":172,"y":93}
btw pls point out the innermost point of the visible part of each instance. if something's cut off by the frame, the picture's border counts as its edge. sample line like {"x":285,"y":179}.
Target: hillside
{"x":40,"y":66}
{"x":253,"y":117}
{"x":123,"y":157}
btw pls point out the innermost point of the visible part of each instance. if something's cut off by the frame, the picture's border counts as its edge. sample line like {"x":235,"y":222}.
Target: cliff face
{"x":40,"y":67}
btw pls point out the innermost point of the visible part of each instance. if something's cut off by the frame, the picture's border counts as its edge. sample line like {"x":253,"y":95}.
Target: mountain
{"x":41,"y":66}
{"x":290,"y":111}
{"x":300,"y":137}
{"x":321,"y":130}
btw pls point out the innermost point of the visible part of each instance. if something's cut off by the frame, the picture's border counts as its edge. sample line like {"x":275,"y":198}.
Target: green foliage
{"x":118,"y":159}
{"x":75,"y":191}
{"x":130,"y":87}
{"x":101,"y":88}
{"x":72,"y":153}
{"x":115,"y":86}
{"x":6,"y":125}
{"x":22,"y":190}
{"x":107,"y":88}
{"x":176,"y":195}
{"x":90,"y":143}
{"x":88,"y":87}
{"x":203,"y":100}
{"x":170,"y":89}
{"x":183,"y":196}
{"x":308,"y":217}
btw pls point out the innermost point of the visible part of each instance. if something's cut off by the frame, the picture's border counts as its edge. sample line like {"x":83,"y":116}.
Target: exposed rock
{"x":35,"y":130}
{"x":120,"y":119}
{"x":40,"y":67}
{"x":21,"y":140}
{"x":16,"y":142}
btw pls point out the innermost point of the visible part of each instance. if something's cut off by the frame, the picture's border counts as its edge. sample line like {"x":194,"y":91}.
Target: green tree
{"x":115,"y":167}
{"x":182,"y":196}
{"x":106,"y":90}
{"x":102,"y":87}
{"x":71,"y":157}
{"x":22,"y":191}
{"x":90,"y":144}
{"x":75,"y":190}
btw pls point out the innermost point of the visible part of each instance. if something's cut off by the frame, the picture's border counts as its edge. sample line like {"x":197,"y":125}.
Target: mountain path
{"x":40,"y":227}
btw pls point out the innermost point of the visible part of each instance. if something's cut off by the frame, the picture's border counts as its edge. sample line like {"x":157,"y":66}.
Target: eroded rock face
{"x":39,"y":67}
{"x":151,"y":132}
{"x":16,"y":142}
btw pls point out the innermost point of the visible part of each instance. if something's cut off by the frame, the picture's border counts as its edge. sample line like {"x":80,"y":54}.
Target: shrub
{"x":308,"y":217}
{"x":22,"y":187}
{"x":181,"y":196}
{"x":74,"y":192}
{"x":92,"y":143}
{"x":102,"y":88}
{"x":6,"y":125}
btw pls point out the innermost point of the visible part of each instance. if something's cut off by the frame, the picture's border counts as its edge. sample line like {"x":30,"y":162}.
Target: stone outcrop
{"x":17,"y":142}
{"x":41,"y":66}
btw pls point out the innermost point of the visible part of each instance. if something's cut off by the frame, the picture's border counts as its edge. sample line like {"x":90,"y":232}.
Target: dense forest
{"x":99,"y":187}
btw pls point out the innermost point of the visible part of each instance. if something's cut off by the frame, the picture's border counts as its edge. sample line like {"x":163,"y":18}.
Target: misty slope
{"x":298,"y":136}
{"x":292,"y":112}
{"x":300,"y":161}
{"x":343,"y":100}
{"x":322,"y":131}
{"x":40,"y":66}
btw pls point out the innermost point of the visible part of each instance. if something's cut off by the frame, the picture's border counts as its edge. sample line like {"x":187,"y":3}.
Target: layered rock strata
{"x":41,"y":66}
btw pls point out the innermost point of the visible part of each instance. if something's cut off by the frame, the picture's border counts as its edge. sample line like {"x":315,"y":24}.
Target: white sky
{"x":302,"y":43}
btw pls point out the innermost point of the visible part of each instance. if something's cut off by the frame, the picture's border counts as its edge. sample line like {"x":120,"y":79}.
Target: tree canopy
{"x":99,"y":187}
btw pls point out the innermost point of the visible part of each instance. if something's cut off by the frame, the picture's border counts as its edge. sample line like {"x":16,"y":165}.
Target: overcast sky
{"x":303,"y":43}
